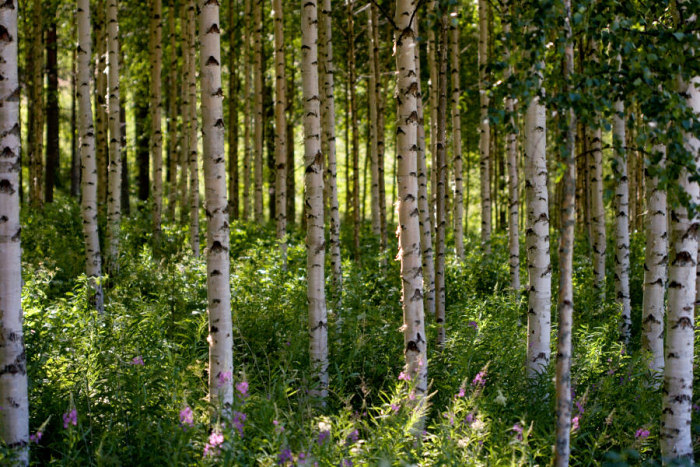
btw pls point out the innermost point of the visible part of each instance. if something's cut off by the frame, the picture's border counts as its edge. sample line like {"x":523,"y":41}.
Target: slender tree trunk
{"x":485,"y":132}
{"x":218,"y":261}
{"x":75,"y":155}
{"x":280,"y":130}
{"x":441,"y":185}
{"x":512,"y":154}
{"x":355,"y":134}
{"x":125,"y":188}
{"x":433,"y":102}
{"x":192,"y":127}
{"x":115,"y":164}
{"x":598,"y":213}
{"x":156,"y":107}
{"x":101,"y":144}
{"x":457,"y":138}
{"x":185,"y":109}
{"x":415,"y":345}
{"x":537,"y":238}
{"x":622,"y":233}
{"x":313,"y":183}
{"x":327,"y":70}
{"x":233,"y":86}
{"x":36,"y":108}
{"x":14,"y":418}
{"x":675,"y":434}
{"x":655,"y":263}
{"x":52,"y":112}
{"x":425,"y":222}
{"x":247,"y":148}
{"x":258,"y":96}
{"x":565,"y":304}
{"x":172,"y":127}
{"x":142,"y":141}
{"x":291,"y":120}
{"x":373,"y":115}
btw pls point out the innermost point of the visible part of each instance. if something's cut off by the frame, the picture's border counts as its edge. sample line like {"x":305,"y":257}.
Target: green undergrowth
{"x":136,"y":376}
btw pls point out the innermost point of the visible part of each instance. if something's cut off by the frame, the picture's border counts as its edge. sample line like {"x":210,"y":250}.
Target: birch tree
{"x":14,"y":418}
{"x":218,"y":261}
{"x":313,"y":185}
{"x":233,"y":87}
{"x":258,"y":96}
{"x":373,"y":115}
{"x":115,"y":164}
{"x":247,"y":113}
{"x":598,"y":213}
{"x":101,"y":143}
{"x":280,"y":129}
{"x":415,"y":345}
{"x":457,"y":136}
{"x":155,"y":108}
{"x":355,"y":144}
{"x":191,"y":128}
{"x":441,"y":199}
{"x":36,"y":109}
{"x":484,"y":130}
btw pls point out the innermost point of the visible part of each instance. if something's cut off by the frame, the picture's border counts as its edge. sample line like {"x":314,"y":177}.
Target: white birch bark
{"x":313,"y":184}
{"x":676,"y":437}
{"x":115,"y":162}
{"x":441,"y":199}
{"x":14,"y":418}
{"x":156,"y":108}
{"x":258,"y":95}
{"x":484,"y":130}
{"x":655,"y":263}
{"x":192,"y":143}
{"x":537,"y":237}
{"x":622,"y":231}
{"x":247,"y":113}
{"x":88,"y":165}
{"x":172,"y":111}
{"x":327,"y":70}
{"x":280,"y":130}
{"x":373,"y":115}
{"x":217,"y":252}
{"x":598,"y":213}
{"x":457,"y":138}
{"x":415,"y":345}
{"x":101,"y":144}
{"x":424,"y":220}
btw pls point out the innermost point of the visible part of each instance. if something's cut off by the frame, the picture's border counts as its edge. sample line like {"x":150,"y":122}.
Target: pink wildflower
{"x":137,"y":361}
{"x":70,"y":418}
{"x":186,"y":417}
{"x":404,"y":376}
{"x":242,"y":388}
{"x":642,"y":433}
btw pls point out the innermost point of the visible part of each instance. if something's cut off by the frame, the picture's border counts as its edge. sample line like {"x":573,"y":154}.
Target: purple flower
{"x":474,"y":325}
{"x":575,"y":423}
{"x":611,"y":372}
{"x":579,"y":407}
{"x":35,"y":438}
{"x":242,"y":388}
{"x":224,"y":377}
{"x":278,"y":426}
{"x":450,"y":417}
{"x":238,"y":421}
{"x":518,"y":431}
{"x":642,"y":433}
{"x":352,"y":437}
{"x":347,"y":463}
{"x":395,"y":407}
{"x":404,"y":376}
{"x":460,"y":393}
{"x":323,"y":437}
{"x":186,"y":417}
{"x":137,"y":361}
{"x":70,"y":418}
{"x":479,"y":379}
{"x":285,"y":456}
{"x":696,"y":407}
{"x":469,"y":419}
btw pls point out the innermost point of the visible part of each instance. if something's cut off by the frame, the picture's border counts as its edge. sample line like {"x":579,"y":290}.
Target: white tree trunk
{"x":192,"y":146}
{"x":425,"y":221}
{"x":415,"y":345}
{"x":622,"y":231}
{"x":373,"y":115}
{"x":258,"y":94}
{"x":88,"y":165}
{"x":313,"y":184}
{"x":115,"y":161}
{"x":537,"y":239}
{"x":328,"y":137}
{"x":173,"y":133}
{"x":676,"y":436}
{"x":441,"y":199}
{"x":247,"y":114}
{"x":155,"y":108}
{"x":484,"y":130}
{"x":655,"y":263}
{"x":457,"y":137}
{"x":598,"y":213}
{"x":218,"y":261}
{"x":14,"y":418}
{"x":101,"y":144}
{"x":280,"y":130}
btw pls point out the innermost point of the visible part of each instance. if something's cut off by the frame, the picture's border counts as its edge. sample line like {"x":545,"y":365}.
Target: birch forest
{"x":349,"y":232}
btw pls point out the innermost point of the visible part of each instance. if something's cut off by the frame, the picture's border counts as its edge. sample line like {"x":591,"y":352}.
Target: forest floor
{"x":136,"y":376}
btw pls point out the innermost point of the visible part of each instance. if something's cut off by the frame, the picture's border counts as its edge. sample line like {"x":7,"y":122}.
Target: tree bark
{"x":74,"y":151}
{"x":101,"y":143}
{"x":457,"y":137}
{"x":537,"y":238}
{"x":14,"y":418}
{"x":142,"y":146}
{"x":258,"y":96}
{"x":484,"y":129}
{"x":675,"y":433}
{"x":355,"y":134}
{"x":291,"y":120}
{"x":172,"y":127}
{"x":313,"y":183}
{"x":655,"y":275}
{"x":512,"y":154}
{"x":156,"y":108}
{"x":415,"y":345}
{"x":598,"y":214}
{"x":372,"y":93}
{"x":327,"y":70}
{"x":280,"y":130}
{"x":192,"y":124}
{"x":233,"y":87}
{"x":441,"y":168}
{"x":52,"y":111}
{"x":218,"y":261}
{"x":36,"y":109}
{"x":113,"y":105}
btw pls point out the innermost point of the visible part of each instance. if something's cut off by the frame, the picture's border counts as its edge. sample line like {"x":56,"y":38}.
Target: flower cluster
{"x":480,"y":379}
{"x":242,"y":389}
{"x":35,"y":438}
{"x":186,"y":417}
{"x":239,"y":419}
{"x":216,"y":439}
{"x":224,"y":377}
{"x":642,"y":433}
{"x":70,"y":418}
{"x":403,"y":376}
{"x":137,"y":361}
{"x":518,"y":430}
